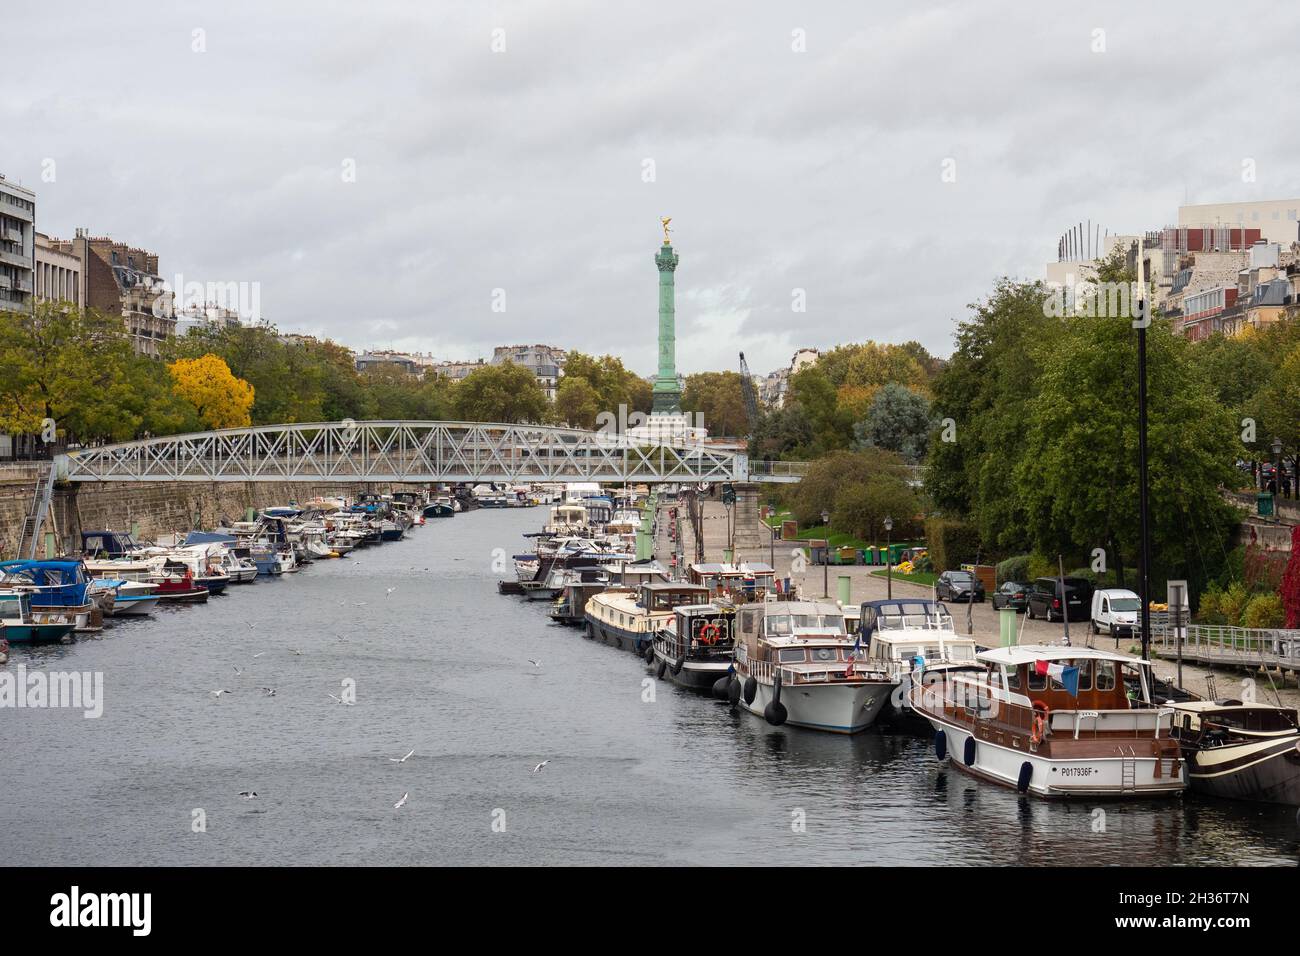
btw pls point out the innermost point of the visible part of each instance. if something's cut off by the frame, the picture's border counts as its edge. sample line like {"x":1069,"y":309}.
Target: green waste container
{"x":896,"y":553}
{"x":1264,"y":503}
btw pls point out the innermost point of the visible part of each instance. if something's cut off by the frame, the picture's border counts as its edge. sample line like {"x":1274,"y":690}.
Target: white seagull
{"x":534,"y":663}
{"x":401,"y":803}
{"x":388,"y":591}
{"x":248,"y":794}
{"x":259,"y":654}
{"x":538,"y":768}
{"x":238,"y":672}
{"x":218,"y":693}
{"x":268,"y":691}
{"x":402,"y":759}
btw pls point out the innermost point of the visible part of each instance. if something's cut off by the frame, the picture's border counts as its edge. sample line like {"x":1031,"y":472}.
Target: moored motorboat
{"x":22,"y":625}
{"x":796,"y":664}
{"x":695,"y":649}
{"x":628,"y":618}
{"x":57,"y":587}
{"x":1241,"y":751}
{"x":907,"y":636}
{"x":1054,"y":721}
{"x":132,"y":598}
{"x":440,"y":507}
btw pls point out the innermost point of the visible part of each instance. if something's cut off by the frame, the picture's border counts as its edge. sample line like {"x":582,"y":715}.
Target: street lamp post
{"x":1144,"y":507}
{"x":889,"y":558}
{"x":1277,"y":472}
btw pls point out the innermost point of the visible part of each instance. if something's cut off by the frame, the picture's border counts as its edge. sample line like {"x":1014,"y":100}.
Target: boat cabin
{"x":108,"y":544}
{"x":661,"y":596}
{"x":51,"y":583}
{"x":904,"y":633}
{"x":765,"y":627}
{"x":701,"y":630}
{"x":1211,"y":723}
{"x":752,"y":581}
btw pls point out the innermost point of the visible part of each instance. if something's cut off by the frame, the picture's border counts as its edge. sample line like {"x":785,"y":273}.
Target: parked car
{"x":959,"y":586}
{"x":1012,"y":594}
{"x":1045,"y":599}
{"x":1115,"y":610}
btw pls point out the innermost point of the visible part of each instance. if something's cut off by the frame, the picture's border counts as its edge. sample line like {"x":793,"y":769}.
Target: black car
{"x":959,"y":586}
{"x":1045,"y":599}
{"x":1013,"y":594}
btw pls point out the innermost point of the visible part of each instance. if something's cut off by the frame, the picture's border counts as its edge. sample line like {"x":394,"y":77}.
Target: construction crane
{"x":751,"y":396}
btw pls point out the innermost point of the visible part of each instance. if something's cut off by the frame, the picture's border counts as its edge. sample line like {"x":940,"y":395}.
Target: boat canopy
{"x":1029,"y":653}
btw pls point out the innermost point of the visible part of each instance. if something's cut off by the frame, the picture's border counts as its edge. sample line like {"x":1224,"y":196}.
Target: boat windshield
{"x":784,"y":624}
{"x":922,"y":616}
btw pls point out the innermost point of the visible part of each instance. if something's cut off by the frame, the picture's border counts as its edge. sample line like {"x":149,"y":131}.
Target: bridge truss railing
{"x":412,"y":451}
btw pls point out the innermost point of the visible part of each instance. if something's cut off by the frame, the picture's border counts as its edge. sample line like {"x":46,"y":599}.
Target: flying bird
{"x":402,"y":759}
{"x":238,"y":672}
{"x":388,"y":591}
{"x":258,"y":654}
{"x":268,"y":691}
{"x":296,"y":651}
{"x":401,"y":803}
{"x":534,"y":663}
{"x":218,"y":693}
{"x":248,"y":794}
{"x":340,"y":700}
{"x":538,"y":768}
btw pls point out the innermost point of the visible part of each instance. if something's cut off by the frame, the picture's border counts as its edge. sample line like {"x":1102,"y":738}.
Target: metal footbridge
{"x":409,"y":451}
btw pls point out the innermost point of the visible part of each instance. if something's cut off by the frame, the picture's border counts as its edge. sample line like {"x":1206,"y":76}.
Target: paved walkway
{"x":979,"y":620}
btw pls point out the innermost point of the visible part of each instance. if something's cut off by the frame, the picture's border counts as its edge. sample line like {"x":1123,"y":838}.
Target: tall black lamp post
{"x":1277,"y":472}
{"x":1144,"y":516}
{"x":889,"y":558}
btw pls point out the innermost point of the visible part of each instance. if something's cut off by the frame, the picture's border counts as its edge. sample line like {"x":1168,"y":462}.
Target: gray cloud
{"x":522,"y":170}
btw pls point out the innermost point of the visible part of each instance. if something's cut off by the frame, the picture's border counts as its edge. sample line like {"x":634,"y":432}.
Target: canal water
{"x":639,"y":771}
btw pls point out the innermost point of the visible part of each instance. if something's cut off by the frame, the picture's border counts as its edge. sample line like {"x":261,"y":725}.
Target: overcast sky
{"x":525,"y":170}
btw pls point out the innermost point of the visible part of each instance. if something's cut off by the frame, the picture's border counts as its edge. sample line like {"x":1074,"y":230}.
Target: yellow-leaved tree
{"x":221,"y":399}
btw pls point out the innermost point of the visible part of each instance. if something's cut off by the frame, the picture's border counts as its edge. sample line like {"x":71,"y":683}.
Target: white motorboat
{"x":796,"y":664}
{"x":909,"y":636}
{"x":1054,"y":721}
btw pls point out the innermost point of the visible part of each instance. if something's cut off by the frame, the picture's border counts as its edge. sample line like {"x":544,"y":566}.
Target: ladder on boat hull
{"x":1128,"y":774}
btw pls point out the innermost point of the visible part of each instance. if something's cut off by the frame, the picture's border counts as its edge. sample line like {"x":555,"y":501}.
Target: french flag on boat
{"x":853,"y":655}
{"x":1065,"y":675}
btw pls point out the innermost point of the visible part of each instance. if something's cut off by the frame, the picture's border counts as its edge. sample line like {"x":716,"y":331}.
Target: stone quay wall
{"x":155,"y":508}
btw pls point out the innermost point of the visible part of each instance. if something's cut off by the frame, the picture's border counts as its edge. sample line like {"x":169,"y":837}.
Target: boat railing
{"x":674,"y":647}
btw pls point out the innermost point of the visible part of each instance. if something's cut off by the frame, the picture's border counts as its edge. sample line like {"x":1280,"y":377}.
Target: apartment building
{"x":17,"y":246}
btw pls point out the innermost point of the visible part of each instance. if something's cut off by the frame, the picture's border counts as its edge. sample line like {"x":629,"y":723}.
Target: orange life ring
{"x":1041,"y":713}
{"x":710,"y":634}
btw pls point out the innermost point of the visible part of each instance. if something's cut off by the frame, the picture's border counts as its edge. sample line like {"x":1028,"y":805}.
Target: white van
{"x":1115,"y":611}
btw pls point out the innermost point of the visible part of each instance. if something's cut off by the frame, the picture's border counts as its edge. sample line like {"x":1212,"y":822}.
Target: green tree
{"x":77,"y":368}
{"x":613,"y":384}
{"x":983,"y":392}
{"x":501,"y":393}
{"x":719,"y":398}
{"x":812,"y":390}
{"x":861,"y":507}
{"x":899,"y":420}
{"x":577,"y":402}
{"x":1075,"y":480}
{"x":829,"y":474}
{"x":783,"y":433}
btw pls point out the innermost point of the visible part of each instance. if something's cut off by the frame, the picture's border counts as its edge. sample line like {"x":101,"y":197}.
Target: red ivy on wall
{"x":1291,"y":582}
